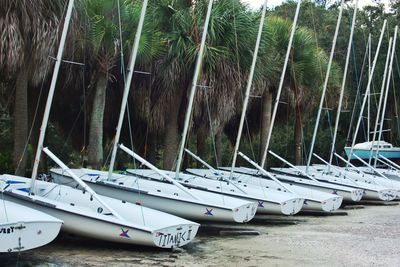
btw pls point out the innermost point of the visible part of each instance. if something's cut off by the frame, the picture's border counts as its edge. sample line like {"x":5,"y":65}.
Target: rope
{"x":36,"y":109}
{"x":33,"y":122}
{"x":358,"y":95}
{"x":4,"y":204}
{"x":211,"y":130}
{"x":84,"y":150}
{"x":82,"y":109}
{"x":394,"y":92}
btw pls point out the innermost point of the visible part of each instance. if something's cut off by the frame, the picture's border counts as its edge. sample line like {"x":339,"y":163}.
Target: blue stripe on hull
{"x":364,"y":154}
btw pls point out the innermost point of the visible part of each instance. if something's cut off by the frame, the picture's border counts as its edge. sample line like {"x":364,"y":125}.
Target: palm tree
{"x":105,"y":47}
{"x":221,"y":72}
{"x":307,"y":65}
{"x":271,"y":55}
{"x":232,"y":36}
{"x":103,"y":41}
{"x":28,"y":31}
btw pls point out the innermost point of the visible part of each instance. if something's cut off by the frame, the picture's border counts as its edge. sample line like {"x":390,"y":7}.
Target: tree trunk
{"x":21,"y":123}
{"x":218,"y":147}
{"x":265,"y":122}
{"x":95,"y":147}
{"x":201,"y":144}
{"x":171,"y":132}
{"x":35,"y":121}
{"x":298,"y":135}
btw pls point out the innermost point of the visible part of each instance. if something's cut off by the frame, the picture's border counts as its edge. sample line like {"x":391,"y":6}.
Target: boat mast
{"x":282,"y":80}
{"x":193,"y":89}
{"x":321,"y":103}
{"x":367,"y":92}
{"x":343,"y":85}
{"x":381,"y":96}
{"x":131,"y":67}
{"x":386,"y":93}
{"x":248,"y":88}
{"x":57,"y":66}
{"x":369,"y":95}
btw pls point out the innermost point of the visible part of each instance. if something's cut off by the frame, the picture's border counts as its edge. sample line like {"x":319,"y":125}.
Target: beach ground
{"x":363,"y":235}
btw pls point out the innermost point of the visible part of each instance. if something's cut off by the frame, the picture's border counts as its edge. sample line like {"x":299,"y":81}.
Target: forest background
{"x":88,"y":94}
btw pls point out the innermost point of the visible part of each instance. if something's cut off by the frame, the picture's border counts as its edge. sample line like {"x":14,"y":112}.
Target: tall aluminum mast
{"x":193,"y":89}
{"x":321,"y":103}
{"x":248,"y":88}
{"x":283,"y":74}
{"x":367,"y":91}
{"x":50,"y":96}
{"x":131,"y":67}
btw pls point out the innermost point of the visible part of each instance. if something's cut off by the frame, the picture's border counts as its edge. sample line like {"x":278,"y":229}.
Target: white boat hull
{"x":83,"y":216}
{"x":371,"y":191}
{"x":315,"y":200}
{"x":164,"y":196}
{"x":23,"y":228}
{"x":349,"y":194}
{"x":268,"y":202}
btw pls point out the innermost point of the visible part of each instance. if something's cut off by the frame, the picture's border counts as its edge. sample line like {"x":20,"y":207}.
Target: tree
{"x":28,"y":31}
{"x":105,"y":44}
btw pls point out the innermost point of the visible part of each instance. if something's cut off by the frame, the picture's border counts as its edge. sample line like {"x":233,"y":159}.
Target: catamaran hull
{"x":77,"y":212}
{"x":25,"y":228}
{"x":179,"y":207}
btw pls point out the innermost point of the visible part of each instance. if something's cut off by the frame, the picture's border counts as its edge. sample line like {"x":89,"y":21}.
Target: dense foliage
{"x":88,"y":96}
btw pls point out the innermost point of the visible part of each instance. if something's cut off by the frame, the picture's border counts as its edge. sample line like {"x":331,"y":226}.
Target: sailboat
{"x":162,"y":194}
{"x":371,"y":149}
{"x":314,"y":199}
{"x":363,"y":150}
{"x":329,"y":173}
{"x":83,"y":211}
{"x":22,"y":228}
{"x":267,"y":202}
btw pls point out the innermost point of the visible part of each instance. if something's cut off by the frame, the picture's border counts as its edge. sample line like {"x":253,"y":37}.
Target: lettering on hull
{"x":173,"y":240}
{"x":7,"y":230}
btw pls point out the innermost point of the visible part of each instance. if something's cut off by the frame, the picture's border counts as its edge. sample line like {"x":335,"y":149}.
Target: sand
{"x":364,"y":237}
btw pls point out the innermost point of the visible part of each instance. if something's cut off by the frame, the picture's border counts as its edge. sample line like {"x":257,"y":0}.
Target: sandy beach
{"x":368,"y":236}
